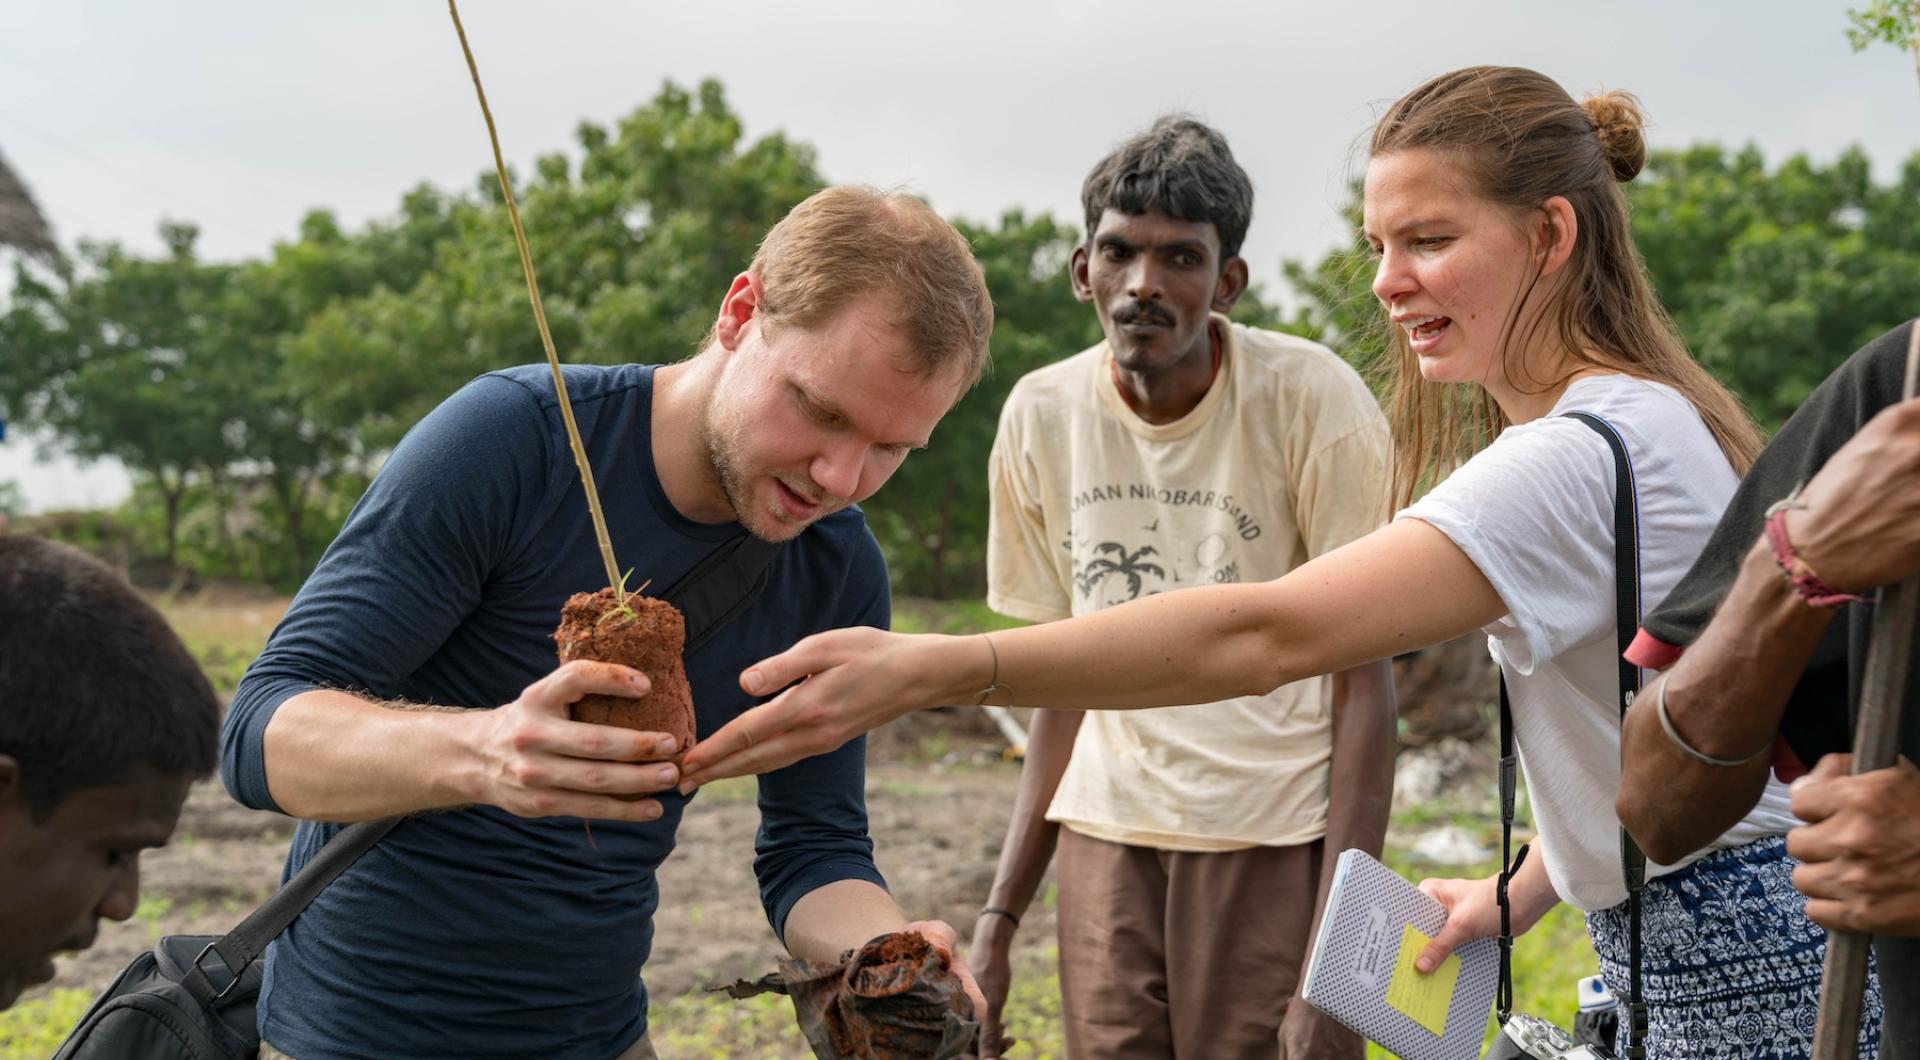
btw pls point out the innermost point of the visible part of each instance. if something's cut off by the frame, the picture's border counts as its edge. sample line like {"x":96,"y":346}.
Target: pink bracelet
{"x":1812,"y":589}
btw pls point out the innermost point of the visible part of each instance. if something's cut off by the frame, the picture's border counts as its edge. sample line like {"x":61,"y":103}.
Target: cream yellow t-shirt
{"x":1284,"y":459}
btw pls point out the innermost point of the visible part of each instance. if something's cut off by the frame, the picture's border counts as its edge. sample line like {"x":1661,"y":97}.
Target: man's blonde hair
{"x":849,"y":241}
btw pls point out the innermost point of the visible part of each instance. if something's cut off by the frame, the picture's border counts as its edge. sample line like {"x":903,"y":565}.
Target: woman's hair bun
{"x":1621,"y":127}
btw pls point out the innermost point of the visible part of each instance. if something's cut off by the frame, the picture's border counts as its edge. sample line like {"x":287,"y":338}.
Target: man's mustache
{"x":1142,"y":313}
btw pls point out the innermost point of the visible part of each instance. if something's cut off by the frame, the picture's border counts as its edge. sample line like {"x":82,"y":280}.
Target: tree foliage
{"x":1895,"y":22}
{"x":115,"y":362}
{"x":634,"y":247}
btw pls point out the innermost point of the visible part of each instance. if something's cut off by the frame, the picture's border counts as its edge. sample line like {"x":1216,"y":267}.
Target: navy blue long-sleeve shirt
{"x":477,"y":933}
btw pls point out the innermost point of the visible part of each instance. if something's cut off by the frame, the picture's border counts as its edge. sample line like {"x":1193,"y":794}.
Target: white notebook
{"x":1361,"y":969}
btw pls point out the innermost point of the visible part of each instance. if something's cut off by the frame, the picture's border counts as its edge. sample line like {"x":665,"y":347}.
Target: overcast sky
{"x":240,"y":116}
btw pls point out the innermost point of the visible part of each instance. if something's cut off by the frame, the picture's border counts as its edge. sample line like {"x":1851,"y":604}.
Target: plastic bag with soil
{"x":893,"y":999}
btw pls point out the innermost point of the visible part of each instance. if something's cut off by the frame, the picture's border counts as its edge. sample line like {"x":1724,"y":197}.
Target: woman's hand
{"x":1473,"y":908}
{"x":844,"y":682}
{"x":1473,"y":912}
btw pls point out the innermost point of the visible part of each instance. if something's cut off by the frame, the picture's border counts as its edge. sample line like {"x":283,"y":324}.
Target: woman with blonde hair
{"x":1527,"y":342}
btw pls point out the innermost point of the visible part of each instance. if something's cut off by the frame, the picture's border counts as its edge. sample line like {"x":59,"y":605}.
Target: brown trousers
{"x":640,"y":1050}
{"x":1191,"y":956}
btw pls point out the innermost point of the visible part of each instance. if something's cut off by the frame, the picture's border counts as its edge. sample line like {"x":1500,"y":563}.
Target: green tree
{"x":182,"y":370}
{"x":634,"y":247}
{"x":111,"y":361}
{"x":1775,"y":277}
{"x":1895,"y":22}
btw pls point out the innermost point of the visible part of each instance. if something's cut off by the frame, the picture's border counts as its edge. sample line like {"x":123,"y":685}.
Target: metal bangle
{"x":1673,"y":737}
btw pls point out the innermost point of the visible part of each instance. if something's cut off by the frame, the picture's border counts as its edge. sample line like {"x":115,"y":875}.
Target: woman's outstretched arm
{"x":1403,"y":587}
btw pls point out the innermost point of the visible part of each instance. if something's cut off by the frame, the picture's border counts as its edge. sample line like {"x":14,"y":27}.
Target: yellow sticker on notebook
{"x":1423,"y":998}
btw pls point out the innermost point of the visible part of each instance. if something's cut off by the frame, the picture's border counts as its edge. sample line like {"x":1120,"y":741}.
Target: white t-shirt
{"x":1282,"y":460}
{"x":1534,"y":511}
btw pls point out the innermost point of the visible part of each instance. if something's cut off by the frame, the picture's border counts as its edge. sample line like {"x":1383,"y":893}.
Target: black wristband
{"x":994,"y":909}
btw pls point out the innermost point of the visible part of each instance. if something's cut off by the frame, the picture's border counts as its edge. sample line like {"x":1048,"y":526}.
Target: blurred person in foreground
{"x":416,"y":672}
{"x":1183,"y":450}
{"x":105,"y":722}
{"x":1774,"y":621}
{"x":1507,"y":267}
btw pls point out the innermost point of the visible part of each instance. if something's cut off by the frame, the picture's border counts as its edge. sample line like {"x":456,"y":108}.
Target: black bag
{"x":177,"y":1004}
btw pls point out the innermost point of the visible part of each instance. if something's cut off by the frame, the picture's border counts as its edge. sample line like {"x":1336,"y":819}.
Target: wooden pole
{"x":1876,"y":744}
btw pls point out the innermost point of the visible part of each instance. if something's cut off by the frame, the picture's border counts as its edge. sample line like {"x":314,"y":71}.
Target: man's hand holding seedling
{"x":534,"y":761}
{"x":333,"y":756}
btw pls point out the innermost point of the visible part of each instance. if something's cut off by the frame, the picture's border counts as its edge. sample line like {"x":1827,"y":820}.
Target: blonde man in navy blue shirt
{"x":491,"y":927}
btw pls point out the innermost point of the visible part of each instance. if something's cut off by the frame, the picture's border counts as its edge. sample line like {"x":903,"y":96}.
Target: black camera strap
{"x":1626,"y":563}
{"x":1509,"y":863}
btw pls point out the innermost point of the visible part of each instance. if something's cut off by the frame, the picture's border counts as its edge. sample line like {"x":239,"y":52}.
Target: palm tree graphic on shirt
{"x":1130,"y":565}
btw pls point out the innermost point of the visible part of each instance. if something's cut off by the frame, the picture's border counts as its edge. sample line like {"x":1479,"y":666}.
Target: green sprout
{"x":622,"y":598}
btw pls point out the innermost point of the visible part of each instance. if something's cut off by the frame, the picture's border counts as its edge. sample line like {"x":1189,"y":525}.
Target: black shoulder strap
{"x":243,"y":945}
{"x":715,"y":592}
{"x":1626,"y":565}
{"x":721,"y":586}
{"x":1509,"y":862}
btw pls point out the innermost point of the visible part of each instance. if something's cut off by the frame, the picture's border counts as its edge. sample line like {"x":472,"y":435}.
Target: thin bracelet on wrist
{"x":994,"y":686}
{"x":994,"y":910}
{"x":1805,"y":580}
{"x":1673,"y":737}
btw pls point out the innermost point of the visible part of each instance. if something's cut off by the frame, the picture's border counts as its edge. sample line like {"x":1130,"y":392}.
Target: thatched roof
{"x":21,"y":224}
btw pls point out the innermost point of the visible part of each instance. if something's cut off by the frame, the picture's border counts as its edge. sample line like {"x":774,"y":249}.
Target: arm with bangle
{"x":1695,"y":746}
{"x":1694,"y":749}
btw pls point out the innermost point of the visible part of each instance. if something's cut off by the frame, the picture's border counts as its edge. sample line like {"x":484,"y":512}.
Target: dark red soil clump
{"x":895,"y":998}
{"x":649,"y":640}
{"x":908,"y":946}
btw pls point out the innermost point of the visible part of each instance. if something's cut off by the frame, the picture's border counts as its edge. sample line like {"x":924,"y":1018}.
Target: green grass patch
{"x":151,"y":910}
{"x":716,"y":1026}
{"x":32,"y":1030}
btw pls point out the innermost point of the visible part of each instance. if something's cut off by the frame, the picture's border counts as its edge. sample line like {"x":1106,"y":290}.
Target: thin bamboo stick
{"x":540,"y":318}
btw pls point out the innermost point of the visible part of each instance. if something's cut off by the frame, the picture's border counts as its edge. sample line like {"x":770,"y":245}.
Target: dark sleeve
{"x":813,"y":813}
{"x":406,"y":569}
{"x":1869,"y":381}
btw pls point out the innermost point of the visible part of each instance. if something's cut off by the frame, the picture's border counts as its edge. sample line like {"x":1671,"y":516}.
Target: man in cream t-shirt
{"x":1194,"y":843}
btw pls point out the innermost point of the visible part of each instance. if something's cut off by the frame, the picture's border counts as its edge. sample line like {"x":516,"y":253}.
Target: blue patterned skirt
{"x":1731,"y":962}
